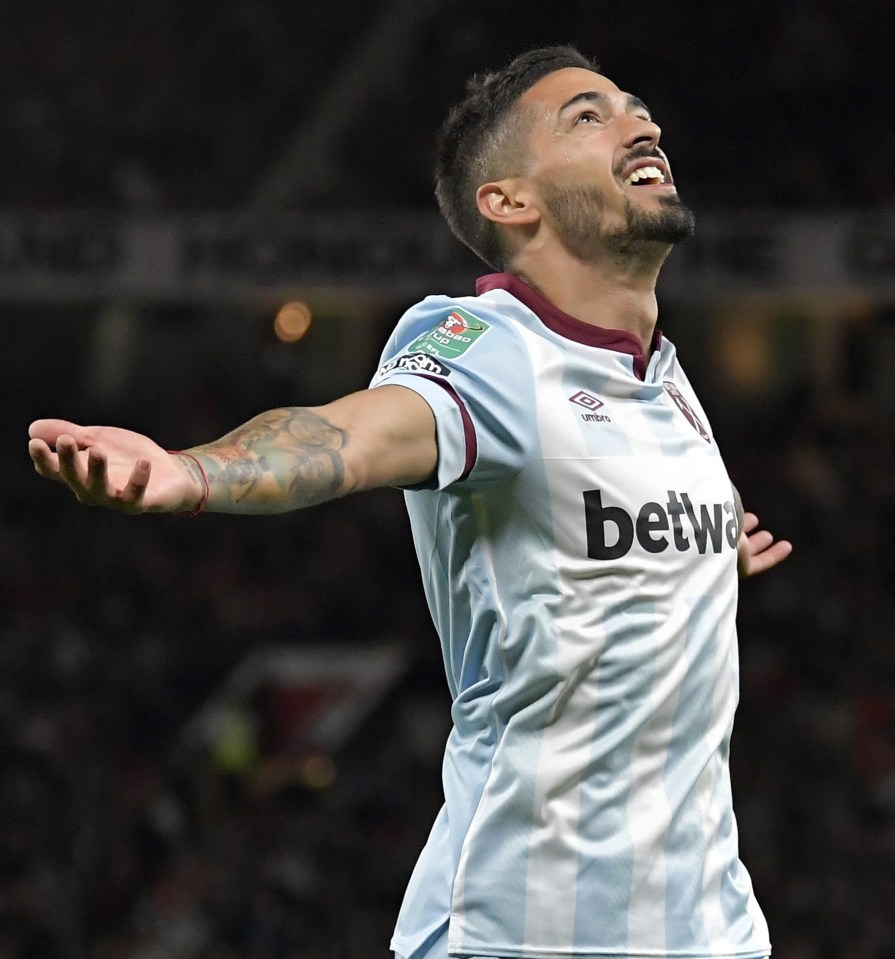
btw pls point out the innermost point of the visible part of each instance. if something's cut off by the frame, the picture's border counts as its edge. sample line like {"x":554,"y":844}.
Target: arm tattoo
{"x":282,"y":459}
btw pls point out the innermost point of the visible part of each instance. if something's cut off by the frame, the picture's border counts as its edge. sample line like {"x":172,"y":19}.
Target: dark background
{"x":121,"y":837}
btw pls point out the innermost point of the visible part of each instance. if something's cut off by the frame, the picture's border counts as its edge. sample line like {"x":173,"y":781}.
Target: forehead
{"x":555,"y":89}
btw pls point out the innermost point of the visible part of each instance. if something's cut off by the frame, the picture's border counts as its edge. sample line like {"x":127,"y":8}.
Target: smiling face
{"x":595,"y":168}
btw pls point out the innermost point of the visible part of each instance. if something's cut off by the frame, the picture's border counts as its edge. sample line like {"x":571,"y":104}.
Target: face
{"x":597,"y":170}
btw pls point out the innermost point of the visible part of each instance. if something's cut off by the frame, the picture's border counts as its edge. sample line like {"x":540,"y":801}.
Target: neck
{"x":613,"y":295}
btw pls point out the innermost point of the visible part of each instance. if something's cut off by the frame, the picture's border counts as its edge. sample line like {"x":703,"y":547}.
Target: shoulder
{"x":471,"y":316}
{"x":461,"y":332}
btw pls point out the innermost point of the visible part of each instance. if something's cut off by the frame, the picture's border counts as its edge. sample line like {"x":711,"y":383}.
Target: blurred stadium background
{"x":221,"y":738}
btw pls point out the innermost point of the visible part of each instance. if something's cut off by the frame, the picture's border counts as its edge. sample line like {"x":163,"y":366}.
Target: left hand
{"x":758,"y":551}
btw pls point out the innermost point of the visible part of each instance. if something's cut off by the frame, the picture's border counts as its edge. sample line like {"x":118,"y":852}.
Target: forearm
{"x":281,"y":460}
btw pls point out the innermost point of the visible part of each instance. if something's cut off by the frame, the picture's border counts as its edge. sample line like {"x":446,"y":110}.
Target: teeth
{"x":647,"y":173}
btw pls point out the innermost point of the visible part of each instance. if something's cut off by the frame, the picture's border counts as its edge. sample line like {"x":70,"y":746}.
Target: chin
{"x":672,"y":222}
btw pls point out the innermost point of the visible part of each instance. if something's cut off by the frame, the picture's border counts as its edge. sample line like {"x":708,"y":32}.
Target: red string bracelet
{"x":195,"y":510}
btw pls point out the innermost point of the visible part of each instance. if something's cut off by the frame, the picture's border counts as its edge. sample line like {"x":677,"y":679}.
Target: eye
{"x":587,"y":116}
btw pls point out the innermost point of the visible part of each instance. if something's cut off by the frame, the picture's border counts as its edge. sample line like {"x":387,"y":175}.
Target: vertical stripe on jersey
{"x":480,"y":884}
{"x":716,"y":818}
{"x":607,"y":876}
{"x":686,"y":789}
{"x":649,"y":810}
{"x":550,"y":920}
{"x":736,"y":884}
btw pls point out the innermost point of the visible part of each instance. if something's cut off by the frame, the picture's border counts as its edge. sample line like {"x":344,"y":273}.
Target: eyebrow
{"x":592,"y":96}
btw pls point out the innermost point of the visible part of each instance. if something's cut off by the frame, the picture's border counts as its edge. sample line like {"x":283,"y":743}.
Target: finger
{"x":750,"y":522}
{"x":97,"y":481}
{"x":69,"y":467}
{"x":759,"y":541}
{"x":132,"y":494}
{"x":769,"y":558}
{"x":45,"y":460}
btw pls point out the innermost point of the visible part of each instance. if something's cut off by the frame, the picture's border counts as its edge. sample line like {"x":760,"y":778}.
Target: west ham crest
{"x":682,"y":404}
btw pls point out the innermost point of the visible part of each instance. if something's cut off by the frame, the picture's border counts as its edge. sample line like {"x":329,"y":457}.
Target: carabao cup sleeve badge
{"x":454,"y":335}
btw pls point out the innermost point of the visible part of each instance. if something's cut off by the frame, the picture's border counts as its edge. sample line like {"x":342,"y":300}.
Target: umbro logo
{"x":415,"y":363}
{"x":590,"y":403}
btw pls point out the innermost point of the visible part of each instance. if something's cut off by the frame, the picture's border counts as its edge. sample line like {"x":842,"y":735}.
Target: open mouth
{"x":645,"y":176}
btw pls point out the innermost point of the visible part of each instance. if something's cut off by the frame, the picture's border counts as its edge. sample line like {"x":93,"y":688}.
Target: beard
{"x":642,"y":236}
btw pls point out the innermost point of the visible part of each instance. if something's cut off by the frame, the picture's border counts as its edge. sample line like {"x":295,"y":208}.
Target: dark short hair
{"x":483,"y":138}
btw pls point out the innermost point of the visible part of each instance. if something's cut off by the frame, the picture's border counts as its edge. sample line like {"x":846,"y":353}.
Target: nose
{"x":640,"y":130}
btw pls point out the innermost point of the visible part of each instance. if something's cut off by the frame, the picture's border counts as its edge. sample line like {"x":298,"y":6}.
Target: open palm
{"x":112,"y":467}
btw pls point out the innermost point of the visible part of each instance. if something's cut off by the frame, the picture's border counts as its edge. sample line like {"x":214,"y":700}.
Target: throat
{"x":594,"y":300}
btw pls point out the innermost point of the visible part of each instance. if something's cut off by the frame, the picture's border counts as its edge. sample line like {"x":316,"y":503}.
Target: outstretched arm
{"x":281,"y":460}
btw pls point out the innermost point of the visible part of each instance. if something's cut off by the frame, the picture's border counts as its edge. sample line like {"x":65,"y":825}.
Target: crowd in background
{"x":120,"y":839}
{"x":159,"y":104}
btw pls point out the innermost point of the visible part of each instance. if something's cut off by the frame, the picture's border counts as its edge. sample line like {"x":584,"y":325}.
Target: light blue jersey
{"x":578,"y":551}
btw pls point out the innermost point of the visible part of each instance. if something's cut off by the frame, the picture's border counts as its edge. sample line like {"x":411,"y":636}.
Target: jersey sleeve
{"x":470,"y":365}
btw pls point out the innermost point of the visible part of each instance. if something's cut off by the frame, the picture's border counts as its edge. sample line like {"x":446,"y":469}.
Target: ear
{"x":507,"y":203}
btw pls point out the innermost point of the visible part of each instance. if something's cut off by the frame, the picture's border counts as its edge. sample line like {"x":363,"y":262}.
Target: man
{"x":576,"y":528}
